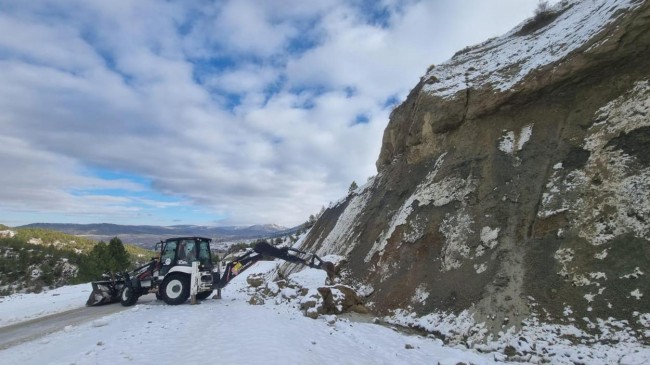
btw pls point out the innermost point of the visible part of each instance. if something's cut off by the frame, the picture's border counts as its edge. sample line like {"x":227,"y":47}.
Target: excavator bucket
{"x":105,"y":292}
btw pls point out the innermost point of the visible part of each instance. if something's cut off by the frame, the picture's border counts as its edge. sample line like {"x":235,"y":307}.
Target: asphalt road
{"x":36,"y":328}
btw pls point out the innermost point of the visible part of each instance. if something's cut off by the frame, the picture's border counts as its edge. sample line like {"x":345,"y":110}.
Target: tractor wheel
{"x":203,"y":295}
{"x":176,"y":288}
{"x":128,"y":297}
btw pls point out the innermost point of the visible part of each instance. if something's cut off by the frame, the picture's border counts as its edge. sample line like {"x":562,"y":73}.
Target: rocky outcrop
{"x":514,"y":181}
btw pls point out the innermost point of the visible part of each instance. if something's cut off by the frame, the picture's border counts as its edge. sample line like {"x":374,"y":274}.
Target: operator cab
{"x":183,"y":251}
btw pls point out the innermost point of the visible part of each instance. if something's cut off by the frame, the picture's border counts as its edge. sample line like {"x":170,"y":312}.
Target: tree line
{"x":31,"y":267}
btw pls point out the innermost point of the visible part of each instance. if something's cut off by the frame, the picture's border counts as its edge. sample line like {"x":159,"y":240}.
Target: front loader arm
{"x":263,"y":249}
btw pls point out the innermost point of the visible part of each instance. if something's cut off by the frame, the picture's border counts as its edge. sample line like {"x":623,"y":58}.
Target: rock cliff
{"x":514,"y":180}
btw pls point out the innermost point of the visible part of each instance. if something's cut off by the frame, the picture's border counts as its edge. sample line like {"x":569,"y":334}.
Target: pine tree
{"x":95,"y":263}
{"x":118,"y":258}
{"x":353,"y":187}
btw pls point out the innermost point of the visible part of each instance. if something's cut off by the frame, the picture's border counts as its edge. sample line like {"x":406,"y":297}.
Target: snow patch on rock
{"x":512,"y":142}
{"x":489,"y":240}
{"x":424,"y":194}
{"x":340,"y":240}
{"x":504,"y":61}
{"x":420,"y":295}
{"x":456,"y":228}
{"x":633,"y":275}
{"x":636,"y":293}
{"x":480,"y":268}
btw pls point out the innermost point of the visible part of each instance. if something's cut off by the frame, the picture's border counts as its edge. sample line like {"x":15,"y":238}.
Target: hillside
{"x":513,"y":186}
{"x":33,"y":259}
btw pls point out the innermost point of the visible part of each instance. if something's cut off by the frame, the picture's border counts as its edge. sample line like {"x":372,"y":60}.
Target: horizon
{"x":229,"y":113}
{"x":280,"y":227}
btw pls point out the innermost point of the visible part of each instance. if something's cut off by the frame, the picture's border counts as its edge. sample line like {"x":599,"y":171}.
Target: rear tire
{"x":128,"y":296}
{"x":175,"y":288}
{"x":203,"y":295}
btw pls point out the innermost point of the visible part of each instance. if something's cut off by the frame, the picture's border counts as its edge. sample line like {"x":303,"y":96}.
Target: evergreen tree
{"x":94,"y":264}
{"x":117,"y":257}
{"x":353,"y":187}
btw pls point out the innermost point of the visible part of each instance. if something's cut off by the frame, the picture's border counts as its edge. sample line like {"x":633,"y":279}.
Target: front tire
{"x":128,"y":297}
{"x":176,"y":288}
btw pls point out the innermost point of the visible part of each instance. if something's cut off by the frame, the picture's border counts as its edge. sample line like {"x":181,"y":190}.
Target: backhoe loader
{"x":168,"y":276}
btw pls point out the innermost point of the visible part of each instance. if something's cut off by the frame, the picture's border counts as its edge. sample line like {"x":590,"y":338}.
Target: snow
{"x":456,"y":229}
{"x":623,"y":191}
{"x":7,"y":233}
{"x":633,"y":275}
{"x":232,"y":331}
{"x":537,"y":343}
{"x":22,"y":307}
{"x":420,"y":295}
{"x":511,"y":142}
{"x":340,"y":238}
{"x":637,"y":294}
{"x":220,"y":331}
{"x":501,"y":63}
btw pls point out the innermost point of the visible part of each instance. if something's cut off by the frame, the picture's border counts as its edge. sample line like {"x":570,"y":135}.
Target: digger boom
{"x":264,"y":249}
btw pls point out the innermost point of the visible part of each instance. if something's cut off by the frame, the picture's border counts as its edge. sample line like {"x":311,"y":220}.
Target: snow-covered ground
{"x":23,"y":307}
{"x":217,"y":331}
{"x":231,"y":330}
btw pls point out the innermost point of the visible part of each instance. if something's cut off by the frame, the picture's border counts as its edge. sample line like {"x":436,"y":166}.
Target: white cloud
{"x":243,"y":109}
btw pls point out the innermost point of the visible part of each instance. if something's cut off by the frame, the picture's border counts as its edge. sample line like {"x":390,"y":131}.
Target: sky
{"x":233,"y":112}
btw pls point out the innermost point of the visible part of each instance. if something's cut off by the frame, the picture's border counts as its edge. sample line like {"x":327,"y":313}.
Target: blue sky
{"x":210,"y":112}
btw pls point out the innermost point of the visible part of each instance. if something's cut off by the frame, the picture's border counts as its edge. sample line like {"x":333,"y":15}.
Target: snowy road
{"x":27,"y":331}
{"x":33,"y":329}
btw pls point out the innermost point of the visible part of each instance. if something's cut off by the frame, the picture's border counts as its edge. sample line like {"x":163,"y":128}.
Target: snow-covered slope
{"x":501,"y":63}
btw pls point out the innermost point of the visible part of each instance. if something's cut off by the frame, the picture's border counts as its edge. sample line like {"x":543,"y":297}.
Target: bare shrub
{"x":542,"y":9}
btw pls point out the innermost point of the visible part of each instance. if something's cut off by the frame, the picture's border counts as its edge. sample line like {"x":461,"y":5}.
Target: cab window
{"x":186,"y":252}
{"x":168,"y":256}
{"x":204,"y":253}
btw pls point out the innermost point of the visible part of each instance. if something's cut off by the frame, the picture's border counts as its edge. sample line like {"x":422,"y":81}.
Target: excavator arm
{"x":264,"y":249}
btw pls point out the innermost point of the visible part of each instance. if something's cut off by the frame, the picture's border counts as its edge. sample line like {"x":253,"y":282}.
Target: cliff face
{"x":515,"y":178}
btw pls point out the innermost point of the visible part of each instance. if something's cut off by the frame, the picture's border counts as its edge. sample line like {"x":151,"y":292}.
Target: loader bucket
{"x":105,"y":292}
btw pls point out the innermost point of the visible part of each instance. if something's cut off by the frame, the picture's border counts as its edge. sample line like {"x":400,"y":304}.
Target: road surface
{"x":18,"y":333}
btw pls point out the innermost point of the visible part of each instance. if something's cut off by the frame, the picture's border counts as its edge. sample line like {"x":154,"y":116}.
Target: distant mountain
{"x":147,"y":236}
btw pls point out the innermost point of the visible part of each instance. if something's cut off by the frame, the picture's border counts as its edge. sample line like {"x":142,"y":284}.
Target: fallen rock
{"x":256,"y":300}
{"x":341,"y":299}
{"x":255,"y":280}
